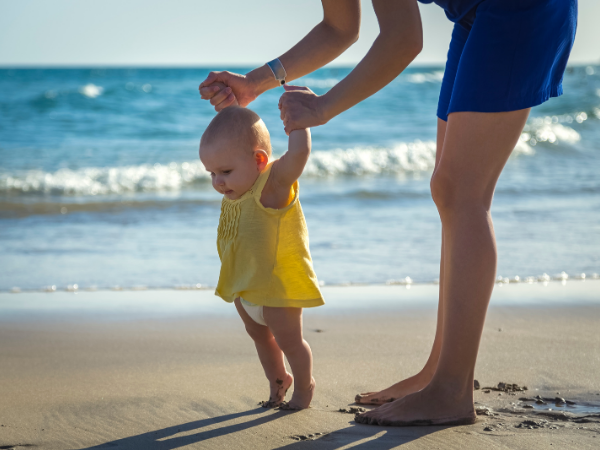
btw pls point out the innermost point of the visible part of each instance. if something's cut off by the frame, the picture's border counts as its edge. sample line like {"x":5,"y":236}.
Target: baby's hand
{"x":224,"y":96}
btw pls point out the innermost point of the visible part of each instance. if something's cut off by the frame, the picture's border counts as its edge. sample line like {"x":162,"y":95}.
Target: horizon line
{"x":210,"y":65}
{"x":174,"y":66}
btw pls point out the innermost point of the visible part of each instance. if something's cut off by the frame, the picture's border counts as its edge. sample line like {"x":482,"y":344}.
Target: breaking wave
{"x":105,"y":180}
{"x":414,"y":78}
{"x":403,"y":158}
{"x":426,"y":77}
{"x":552,"y":129}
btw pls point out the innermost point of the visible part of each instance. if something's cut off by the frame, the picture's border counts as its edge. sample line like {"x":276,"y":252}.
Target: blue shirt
{"x":455,"y":10}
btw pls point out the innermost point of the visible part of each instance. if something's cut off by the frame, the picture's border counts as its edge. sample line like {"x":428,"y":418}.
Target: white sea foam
{"x":549,"y":129}
{"x":317,"y":83}
{"x":91,"y":90}
{"x":403,"y":158}
{"x":106,"y":180}
{"x":426,"y":77}
{"x":417,"y":78}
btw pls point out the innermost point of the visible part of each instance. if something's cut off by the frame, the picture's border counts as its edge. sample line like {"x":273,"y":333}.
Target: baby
{"x":266,"y":268}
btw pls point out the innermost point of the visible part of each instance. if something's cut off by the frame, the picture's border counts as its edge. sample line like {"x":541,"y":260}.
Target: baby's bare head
{"x":240,"y":129}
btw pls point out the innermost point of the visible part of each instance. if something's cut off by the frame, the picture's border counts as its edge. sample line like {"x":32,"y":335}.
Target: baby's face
{"x":233,"y":167}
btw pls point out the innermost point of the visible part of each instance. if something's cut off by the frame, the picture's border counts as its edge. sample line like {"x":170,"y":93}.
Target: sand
{"x":174,"y":369}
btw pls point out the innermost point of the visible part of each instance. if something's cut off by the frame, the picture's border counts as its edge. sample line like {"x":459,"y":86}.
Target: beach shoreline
{"x":174,"y":369}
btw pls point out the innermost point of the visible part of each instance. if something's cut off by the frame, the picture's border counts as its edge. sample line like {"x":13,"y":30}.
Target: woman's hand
{"x":237,"y":87}
{"x":301,"y":108}
{"x":224,"y":92}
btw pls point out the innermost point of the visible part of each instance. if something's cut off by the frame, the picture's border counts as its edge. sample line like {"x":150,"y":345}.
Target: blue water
{"x":100,"y":183}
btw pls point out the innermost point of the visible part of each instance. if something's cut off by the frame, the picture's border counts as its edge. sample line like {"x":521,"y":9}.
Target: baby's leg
{"x":286,"y":326}
{"x":271,"y":358}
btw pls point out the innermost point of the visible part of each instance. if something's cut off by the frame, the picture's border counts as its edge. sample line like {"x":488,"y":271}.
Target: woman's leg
{"x":421,"y":379}
{"x":476,"y":148}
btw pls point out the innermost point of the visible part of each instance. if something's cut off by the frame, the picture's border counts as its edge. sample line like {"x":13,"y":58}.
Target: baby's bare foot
{"x":279,"y":388}
{"x":301,"y":398}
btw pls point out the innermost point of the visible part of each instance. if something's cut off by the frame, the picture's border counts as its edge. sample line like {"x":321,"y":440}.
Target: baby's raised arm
{"x":287,"y":169}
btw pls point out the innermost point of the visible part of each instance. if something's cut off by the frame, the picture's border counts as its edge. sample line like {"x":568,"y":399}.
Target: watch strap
{"x":278,"y":70}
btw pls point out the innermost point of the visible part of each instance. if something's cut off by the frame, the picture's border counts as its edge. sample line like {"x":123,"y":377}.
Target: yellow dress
{"x":264,"y":252}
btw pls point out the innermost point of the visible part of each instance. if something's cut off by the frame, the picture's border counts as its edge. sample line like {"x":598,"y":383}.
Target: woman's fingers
{"x":300,"y":108}
{"x":212,"y":85}
{"x":220,"y":96}
{"x":291,"y":123}
{"x":243,"y":91}
{"x":229,"y":101}
{"x":210,"y":79}
{"x":289,"y":88}
{"x":207,"y":92}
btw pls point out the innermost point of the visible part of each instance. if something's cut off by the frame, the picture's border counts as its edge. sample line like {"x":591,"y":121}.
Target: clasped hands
{"x":299,"y":107}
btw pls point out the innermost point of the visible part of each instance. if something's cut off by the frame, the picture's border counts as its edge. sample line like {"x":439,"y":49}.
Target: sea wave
{"x":90,"y":90}
{"x":401,"y":159}
{"x":553,"y":129}
{"x":426,"y":77}
{"x":105,"y":180}
{"x":319,"y":83}
{"x":414,"y":78}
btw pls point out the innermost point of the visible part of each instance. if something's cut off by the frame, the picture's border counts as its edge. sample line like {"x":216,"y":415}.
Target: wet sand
{"x":174,"y":369}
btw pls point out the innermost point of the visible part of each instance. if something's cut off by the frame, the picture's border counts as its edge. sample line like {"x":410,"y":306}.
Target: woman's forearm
{"x":399,"y":42}
{"x":325,"y":42}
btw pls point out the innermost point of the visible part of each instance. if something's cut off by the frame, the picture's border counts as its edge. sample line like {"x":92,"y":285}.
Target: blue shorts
{"x":508,"y":55}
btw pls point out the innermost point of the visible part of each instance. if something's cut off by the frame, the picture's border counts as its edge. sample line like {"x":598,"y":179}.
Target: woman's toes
{"x":366,"y":399}
{"x":360,"y":418}
{"x":363,"y":395}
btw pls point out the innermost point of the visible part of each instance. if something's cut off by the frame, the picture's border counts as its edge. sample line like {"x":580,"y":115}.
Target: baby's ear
{"x":262,"y":159}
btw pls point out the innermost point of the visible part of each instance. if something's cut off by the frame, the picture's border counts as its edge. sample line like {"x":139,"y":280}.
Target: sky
{"x":205,"y":33}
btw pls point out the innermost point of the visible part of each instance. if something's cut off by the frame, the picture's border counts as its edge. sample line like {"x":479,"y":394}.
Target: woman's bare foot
{"x":396,"y":391}
{"x":429,"y":406}
{"x":279,"y":388}
{"x":301,"y":398}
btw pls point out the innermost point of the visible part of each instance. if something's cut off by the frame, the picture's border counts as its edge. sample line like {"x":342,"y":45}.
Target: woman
{"x":505,"y":57}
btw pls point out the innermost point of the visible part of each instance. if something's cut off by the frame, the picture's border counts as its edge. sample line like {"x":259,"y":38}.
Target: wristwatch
{"x":278,"y":70}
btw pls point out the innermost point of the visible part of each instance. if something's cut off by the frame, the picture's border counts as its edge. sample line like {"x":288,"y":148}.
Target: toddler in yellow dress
{"x":266,"y":268}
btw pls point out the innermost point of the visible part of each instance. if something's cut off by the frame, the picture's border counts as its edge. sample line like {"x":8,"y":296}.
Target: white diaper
{"x":254,"y":311}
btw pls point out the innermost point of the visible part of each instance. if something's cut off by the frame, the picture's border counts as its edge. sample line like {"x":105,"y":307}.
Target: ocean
{"x":101,"y":186}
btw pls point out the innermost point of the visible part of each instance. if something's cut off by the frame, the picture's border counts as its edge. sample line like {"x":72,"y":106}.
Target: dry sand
{"x":170,"y":369}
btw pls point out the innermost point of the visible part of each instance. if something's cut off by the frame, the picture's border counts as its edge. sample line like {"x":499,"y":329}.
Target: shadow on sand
{"x":363,"y":437}
{"x":356,"y":437}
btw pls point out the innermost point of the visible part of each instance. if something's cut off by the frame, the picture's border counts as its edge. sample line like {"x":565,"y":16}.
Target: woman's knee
{"x":443,"y":190}
{"x":455,"y":191}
